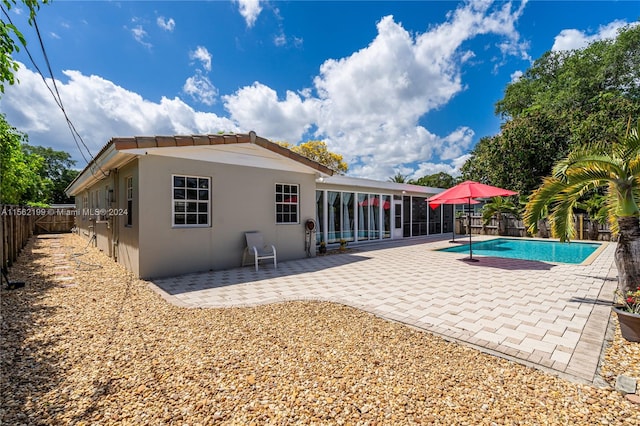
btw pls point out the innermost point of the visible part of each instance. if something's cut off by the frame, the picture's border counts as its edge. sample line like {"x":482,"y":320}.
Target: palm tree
{"x":499,"y":206}
{"x":398,"y":178}
{"x":614,"y":167}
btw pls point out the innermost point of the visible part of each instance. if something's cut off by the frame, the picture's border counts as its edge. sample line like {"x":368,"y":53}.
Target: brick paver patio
{"x":549,"y":316}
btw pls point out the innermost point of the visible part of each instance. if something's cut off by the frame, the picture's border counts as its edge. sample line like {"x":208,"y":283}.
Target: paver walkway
{"x":549,"y":316}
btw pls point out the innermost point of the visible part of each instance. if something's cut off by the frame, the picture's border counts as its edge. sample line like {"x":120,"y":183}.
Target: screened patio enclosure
{"x":365,"y":216}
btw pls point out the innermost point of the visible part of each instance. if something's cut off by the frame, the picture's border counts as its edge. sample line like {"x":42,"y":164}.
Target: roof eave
{"x":120,"y":150}
{"x":98,"y":169}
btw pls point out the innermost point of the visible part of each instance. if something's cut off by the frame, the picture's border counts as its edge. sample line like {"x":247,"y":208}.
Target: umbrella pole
{"x":470,"y":258}
{"x":453,"y":234}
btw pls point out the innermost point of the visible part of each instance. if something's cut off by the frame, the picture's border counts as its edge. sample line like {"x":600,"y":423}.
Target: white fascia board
{"x":377,"y":184}
{"x":97,"y":170}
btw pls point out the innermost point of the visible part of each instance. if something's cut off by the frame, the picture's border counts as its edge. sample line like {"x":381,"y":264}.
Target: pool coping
{"x":602,"y":245}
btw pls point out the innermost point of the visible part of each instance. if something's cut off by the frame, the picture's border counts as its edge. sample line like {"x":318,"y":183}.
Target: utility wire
{"x":77,"y":138}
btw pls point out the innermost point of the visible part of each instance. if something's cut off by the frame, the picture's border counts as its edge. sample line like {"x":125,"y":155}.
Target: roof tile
{"x":146,"y":142}
{"x":164,"y":141}
{"x":184,"y":140}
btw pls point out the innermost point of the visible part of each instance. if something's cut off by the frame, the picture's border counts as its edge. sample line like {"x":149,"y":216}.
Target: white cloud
{"x":570,"y":39}
{"x":54,"y":35}
{"x":100,"y":110}
{"x":258,"y":108}
{"x":515,"y":76}
{"x":249,"y":9}
{"x":139,"y":34}
{"x":371,"y":101}
{"x":366,"y":106}
{"x":202,"y":54}
{"x":166,"y":24}
{"x":280,"y":40}
{"x":426,"y":169}
{"x":200,"y":88}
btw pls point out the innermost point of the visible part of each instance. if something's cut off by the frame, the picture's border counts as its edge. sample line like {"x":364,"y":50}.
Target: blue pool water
{"x":543,"y":251}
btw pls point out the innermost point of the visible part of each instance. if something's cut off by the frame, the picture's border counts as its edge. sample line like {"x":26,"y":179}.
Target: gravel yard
{"x":86,"y":343}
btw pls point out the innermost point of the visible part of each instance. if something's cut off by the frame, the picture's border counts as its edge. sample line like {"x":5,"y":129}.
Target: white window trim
{"x":297,"y":204}
{"x":173,"y":204}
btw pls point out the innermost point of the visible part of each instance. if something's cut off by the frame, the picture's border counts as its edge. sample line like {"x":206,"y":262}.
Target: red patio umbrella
{"x":375,"y":201}
{"x":437,"y":203}
{"x":469,"y":190}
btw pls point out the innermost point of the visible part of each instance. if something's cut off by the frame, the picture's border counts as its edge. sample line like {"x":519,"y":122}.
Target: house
{"x":169,"y":205}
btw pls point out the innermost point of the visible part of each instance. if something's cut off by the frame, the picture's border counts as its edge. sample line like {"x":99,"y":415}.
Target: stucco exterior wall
{"x":89,"y":221}
{"x":242,"y":199}
{"x":112,"y":236}
{"x":82,"y":223}
{"x":126,"y":250}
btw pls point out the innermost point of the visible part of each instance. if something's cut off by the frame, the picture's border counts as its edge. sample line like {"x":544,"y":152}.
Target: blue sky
{"x":394,"y":86}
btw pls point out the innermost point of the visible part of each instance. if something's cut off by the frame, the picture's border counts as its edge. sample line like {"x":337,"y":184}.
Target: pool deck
{"x":554,"y":317}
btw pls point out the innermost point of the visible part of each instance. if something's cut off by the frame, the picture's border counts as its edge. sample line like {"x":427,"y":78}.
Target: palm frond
{"x":613,"y":166}
{"x":561,"y":220}
{"x":630,"y":144}
{"x":537,"y":207}
{"x":594,"y":173}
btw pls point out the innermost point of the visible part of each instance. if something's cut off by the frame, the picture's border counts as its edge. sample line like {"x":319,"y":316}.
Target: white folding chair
{"x":259,"y":250}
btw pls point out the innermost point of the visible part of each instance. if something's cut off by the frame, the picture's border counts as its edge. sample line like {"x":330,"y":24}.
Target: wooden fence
{"x":19,"y":223}
{"x":511,"y":227}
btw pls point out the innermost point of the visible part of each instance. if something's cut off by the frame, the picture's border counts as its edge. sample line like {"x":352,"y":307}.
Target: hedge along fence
{"x":512,"y":227}
{"x":19,"y":223}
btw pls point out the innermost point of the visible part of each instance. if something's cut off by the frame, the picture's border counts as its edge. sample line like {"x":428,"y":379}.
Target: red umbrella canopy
{"x":470,"y":189}
{"x":375,"y":201}
{"x":436,"y":203}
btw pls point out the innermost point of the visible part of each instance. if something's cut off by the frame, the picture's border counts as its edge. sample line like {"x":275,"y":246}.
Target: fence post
{"x":16,"y":228}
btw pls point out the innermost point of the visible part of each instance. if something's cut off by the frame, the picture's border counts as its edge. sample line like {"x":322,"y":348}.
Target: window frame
{"x":128,"y":189}
{"x":85,"y":205}
{"x":286,"y":205}
{"x":198,"y":201}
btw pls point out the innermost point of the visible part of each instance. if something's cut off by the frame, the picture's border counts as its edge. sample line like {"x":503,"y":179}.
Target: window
{"x":129,"y":190}
{"x":104,"y":209}
{"x":190,"y":200}
{"x":95,"y":205}
{"x":85,"y":205}
{"x":286,"y":203}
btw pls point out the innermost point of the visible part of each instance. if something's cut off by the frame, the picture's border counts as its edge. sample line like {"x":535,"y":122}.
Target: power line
{"x":77,"y":138}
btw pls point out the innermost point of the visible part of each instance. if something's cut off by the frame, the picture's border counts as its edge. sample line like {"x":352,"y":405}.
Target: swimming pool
{"x":543,"y":251}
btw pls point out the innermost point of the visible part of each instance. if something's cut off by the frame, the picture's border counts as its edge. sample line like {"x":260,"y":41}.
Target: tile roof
{"x":137,"y":142}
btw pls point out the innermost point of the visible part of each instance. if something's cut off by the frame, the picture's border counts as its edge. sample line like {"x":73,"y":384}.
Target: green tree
{"x":19,"y":178}
{"x":11,"y":38}
{"x":564,"y":100}
{"x":614,"y":167}
{"x":436,"y":180}
{"x":318,"y":152}
{"x":594,"y":89}
{"x":520,"y":155}
{"x":56,"y":172}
